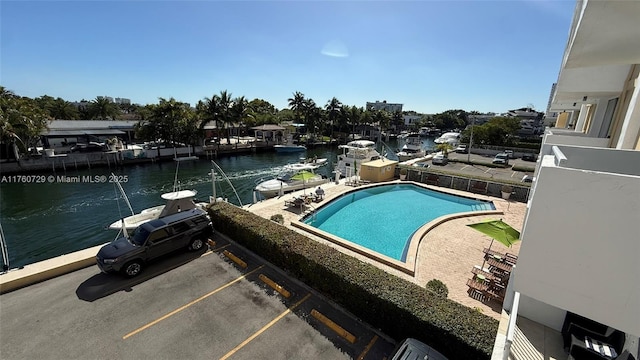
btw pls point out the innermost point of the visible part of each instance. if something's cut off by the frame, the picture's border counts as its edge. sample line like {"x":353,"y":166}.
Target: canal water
{"x":46,"y":219}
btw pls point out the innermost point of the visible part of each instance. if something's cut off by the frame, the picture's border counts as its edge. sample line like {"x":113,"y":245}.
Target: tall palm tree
{"x":297,"y":104}
{"x":61,"y":109}
{"x":239,"y":111}
{"x":333,"y":108}
{"x":208,"y":110}
{"x":103,"y":108}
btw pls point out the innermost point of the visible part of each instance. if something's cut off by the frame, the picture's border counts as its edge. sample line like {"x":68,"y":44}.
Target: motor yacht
{"x":354,"y":153}
{"x":412,"y":148}
{"x":293,"y":177}
{"x":450,"y":138}
{"x":289,"y":148}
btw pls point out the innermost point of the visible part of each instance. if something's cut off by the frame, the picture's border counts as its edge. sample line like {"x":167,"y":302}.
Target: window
{"x":179,"y":227}
{"x":158,"y":236}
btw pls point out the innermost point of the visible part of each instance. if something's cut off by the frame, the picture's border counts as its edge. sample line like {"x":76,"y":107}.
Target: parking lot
{"x":224,"y":303}
{"x":498,"y":173}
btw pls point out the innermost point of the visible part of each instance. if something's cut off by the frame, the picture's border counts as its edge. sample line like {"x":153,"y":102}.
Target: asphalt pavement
{"x":224,"y":303}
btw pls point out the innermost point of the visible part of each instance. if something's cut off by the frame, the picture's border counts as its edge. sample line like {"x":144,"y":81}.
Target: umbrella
{"x":497,"y":230}
{"x":304,"y":176}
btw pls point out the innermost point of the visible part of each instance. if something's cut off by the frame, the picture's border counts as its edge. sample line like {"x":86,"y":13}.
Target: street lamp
{"x":471,"y":140}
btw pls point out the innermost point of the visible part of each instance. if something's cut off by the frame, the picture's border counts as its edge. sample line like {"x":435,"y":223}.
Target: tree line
{"x":24,"y":119}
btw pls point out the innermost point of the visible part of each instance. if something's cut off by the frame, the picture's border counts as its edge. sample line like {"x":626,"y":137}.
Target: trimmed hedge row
{"x":398,"y":307}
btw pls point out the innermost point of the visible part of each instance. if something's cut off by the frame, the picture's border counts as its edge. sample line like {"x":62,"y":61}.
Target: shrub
{"x":438,"y":287}
{"x":278,"y":218}
{"x":398,"y":307}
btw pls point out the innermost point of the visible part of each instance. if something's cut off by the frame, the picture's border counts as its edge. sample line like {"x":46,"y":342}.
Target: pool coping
{"x":408,"y":266}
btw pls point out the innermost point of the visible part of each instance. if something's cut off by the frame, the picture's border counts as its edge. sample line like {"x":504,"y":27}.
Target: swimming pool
{"x":384,"y":218}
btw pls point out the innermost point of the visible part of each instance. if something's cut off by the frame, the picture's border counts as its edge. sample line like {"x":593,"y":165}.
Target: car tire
{"x":196,"y":244}
{"x":132,"y":268}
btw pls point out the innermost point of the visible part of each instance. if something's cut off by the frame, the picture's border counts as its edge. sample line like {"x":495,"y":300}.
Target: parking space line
{"x":191,"y":303}
{"x":464,"y":167}
{"x":264,"y":328}
{"x":333,"y":326}
{"x":275,"y":286}
{"x":367,"y":348}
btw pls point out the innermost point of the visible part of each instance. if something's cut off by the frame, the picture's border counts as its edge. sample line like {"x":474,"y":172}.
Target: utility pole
{"x":471,"y":140}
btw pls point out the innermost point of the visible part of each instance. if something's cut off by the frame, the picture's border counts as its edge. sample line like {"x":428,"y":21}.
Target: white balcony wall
{"x":580,"y":243}
{"x":573,"y":84}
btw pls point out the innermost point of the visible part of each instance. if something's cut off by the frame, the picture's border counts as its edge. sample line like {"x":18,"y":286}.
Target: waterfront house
{"x":580,"y":242}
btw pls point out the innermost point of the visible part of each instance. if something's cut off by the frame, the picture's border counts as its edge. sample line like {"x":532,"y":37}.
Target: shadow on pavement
{"x":101,"y":285}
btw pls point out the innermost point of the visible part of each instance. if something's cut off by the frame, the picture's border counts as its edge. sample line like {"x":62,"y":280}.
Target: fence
{"x":485,"y":187}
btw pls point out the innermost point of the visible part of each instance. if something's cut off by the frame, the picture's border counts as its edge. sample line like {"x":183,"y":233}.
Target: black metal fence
{"x":479,"y":186}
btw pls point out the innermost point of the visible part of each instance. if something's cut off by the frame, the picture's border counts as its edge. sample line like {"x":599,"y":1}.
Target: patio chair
{"x":612,"y":338}
{"x":595,"y":328}
{"x":586,"y":354}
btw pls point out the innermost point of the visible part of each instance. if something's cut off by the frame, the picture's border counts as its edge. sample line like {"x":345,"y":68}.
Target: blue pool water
{"x":383,"y":218}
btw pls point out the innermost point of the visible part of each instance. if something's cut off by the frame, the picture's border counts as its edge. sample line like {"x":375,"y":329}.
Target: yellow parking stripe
{"x":264,"y":328}
{"x":366,"y":349}
{"x":189,"y":304}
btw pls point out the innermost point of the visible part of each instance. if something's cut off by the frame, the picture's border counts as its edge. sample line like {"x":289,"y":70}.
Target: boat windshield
{"x":139,"y":236}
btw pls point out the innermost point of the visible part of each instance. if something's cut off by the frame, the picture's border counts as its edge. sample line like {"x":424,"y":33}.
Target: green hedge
{"x":398,"y":307}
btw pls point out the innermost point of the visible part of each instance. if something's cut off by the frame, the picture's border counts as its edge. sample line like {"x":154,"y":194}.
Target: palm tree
{"x":333,"y":108}
{"x":445,"y":148}
{"x":239,"y":111}
{"x":297,"y":104}
{"x":103,"y":108}
{"x":61,"y":109}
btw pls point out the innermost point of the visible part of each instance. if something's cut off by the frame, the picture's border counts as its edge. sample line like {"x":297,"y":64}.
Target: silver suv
{"x":501,"y":159}
{"x":128,"y":255}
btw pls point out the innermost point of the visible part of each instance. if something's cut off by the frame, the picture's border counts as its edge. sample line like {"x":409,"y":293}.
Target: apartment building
{"x":580,"y":239}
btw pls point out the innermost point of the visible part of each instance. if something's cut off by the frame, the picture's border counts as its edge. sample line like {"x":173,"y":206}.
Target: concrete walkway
{"x":447,"y":253}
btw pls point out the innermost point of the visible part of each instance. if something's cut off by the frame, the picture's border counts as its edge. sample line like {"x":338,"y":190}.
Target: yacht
{"x":354,"y":153}
{"x":412,"y":148}
{"x":289,"y":148}
{"x":293,"y":177}
{"x":176,"y":202}
{"x":450,"y":138}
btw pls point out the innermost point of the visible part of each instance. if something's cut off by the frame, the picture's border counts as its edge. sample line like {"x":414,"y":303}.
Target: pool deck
{"x":448,"y":252}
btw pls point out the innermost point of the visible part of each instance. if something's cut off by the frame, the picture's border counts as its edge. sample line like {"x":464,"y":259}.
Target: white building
{"x":581,"y":236}
{"x":384,"y":105}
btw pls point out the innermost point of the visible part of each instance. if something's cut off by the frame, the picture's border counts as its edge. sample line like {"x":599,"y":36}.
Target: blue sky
{"x":429,"y":55}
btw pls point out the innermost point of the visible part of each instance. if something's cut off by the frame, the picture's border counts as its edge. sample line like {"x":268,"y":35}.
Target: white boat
{"x":450,"y":138}
{"x":412,"y":148}
{"x":354,"y":153}
{"x":176,"y":201}
{"x":293,"y":177}
{"x":289,"y":148}
{"x":314,"y":161}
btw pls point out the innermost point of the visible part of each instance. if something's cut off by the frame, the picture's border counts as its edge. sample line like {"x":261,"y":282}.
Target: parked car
{"x":501,"y":159}
{"x":439,"y":159}
{"x":90,"y":147}
{"x":411,"y":349}
{"x":421,"y":164}
{"x":529,"y":157}
{"x":528,"y":178}
{"x":462,"y":149}
{"x":128,"y":255}
{"x":510,"y":153}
